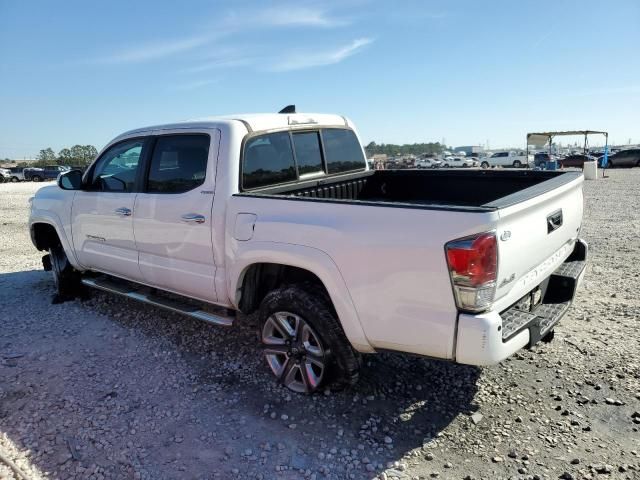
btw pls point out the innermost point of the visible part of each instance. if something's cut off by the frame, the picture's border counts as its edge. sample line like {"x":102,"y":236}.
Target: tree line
{"x":391,"y":149}
{"x":77,"y":156}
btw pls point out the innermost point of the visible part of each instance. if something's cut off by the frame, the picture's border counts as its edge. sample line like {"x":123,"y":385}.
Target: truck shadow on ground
{"x":112,"y":355}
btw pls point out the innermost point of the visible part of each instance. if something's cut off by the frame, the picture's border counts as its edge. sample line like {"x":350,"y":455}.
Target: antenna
{"x":288,"y":109}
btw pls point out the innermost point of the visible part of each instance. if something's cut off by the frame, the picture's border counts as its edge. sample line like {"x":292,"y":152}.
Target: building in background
{"x":471,"y":150}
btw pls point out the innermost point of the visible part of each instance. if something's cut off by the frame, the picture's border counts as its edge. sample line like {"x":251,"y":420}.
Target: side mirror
{"x":71,"y":180}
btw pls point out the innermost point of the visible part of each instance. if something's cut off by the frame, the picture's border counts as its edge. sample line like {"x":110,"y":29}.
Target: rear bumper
{"x":490,"y":337}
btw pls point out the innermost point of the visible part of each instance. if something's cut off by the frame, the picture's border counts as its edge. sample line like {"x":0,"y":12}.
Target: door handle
{"x":193,"y":218}
{"x":125,"y":212}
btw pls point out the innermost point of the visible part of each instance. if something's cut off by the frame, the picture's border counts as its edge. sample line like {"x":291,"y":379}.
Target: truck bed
{"x":446,"y":189}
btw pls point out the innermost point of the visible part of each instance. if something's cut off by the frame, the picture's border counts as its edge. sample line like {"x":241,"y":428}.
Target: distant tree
{"x":390,"y":149}
{"x":78,"y":155}
{"x":65,"y":157}
{"x":46,"y":156}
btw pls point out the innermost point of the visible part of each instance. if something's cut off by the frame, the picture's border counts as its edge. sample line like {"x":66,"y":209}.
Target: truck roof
{"x":255,"y":122}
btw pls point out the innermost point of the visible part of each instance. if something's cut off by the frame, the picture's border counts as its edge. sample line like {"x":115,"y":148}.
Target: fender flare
{"x":52,"y":219}
{"x":312,"y":259}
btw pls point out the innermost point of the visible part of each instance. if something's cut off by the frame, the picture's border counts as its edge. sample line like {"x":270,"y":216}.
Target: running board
{"x":193,"y":311}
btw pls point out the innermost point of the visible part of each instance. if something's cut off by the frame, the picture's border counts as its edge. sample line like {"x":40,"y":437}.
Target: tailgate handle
{"x":554,"y":221}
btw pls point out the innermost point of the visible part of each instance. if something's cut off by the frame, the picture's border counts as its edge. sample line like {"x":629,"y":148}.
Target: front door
{"x":172,"y":220}
{"x":102,"y":213}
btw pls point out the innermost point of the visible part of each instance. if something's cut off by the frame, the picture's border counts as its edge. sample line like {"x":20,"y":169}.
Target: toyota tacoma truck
{"x":278,"y":216}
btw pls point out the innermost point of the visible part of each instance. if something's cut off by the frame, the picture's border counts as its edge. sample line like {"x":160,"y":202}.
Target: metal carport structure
{"x":542,"y":138}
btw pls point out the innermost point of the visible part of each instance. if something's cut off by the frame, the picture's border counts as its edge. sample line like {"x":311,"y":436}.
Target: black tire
{"x":14,"y":179}
{"x":484,"y":164}
{"x":446,"y":165}
{"x":517,"y":164}
{"x":65,"y":277}
{"x":310,"y":303}
{"x":36,"y":178}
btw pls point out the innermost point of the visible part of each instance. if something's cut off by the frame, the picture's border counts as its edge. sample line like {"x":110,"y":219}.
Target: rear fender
{"x":308,"y":258}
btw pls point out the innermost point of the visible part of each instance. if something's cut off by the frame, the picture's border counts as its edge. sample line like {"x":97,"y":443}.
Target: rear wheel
{"x":65,"y":277}
{"x":36,"y":178}
{"x":517,"y":164}
{"x":14,"y":179}
{"x":303,"y":342}
{"x":446,"y":165}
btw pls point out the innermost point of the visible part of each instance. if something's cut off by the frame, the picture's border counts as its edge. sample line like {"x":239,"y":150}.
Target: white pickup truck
{"x":508,"y":159}
{"x":280,"y":216}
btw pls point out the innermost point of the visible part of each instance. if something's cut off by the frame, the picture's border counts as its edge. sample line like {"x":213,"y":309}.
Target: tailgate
{"x":535,"y":236}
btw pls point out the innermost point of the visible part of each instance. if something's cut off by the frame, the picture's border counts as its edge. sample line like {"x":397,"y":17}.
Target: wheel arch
{"x":261,"y":266}
{"x":43,"y":230}
{"x":44,"y":235}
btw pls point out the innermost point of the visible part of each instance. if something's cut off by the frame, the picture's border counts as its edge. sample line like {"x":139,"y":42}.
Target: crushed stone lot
{"x":108,"y":388}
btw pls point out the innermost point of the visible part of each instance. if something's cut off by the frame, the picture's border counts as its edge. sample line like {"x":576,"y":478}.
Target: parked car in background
{"x":541,"y":159}
{"x":459,"y":162}
{"x":428,"y":163}
{"x":576,"y":160}
{"x":49,"y":172}
{"x":5,"y":175}
{"x":625,"y":158}
{"x":16,"y":174}
{"x":508,"y":159}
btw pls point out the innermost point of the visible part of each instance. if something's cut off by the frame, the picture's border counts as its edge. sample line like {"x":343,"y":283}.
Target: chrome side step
{"x":193,"y":311}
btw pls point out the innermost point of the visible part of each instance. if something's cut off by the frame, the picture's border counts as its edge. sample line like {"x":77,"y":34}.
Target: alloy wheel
{"x":294,"y":352}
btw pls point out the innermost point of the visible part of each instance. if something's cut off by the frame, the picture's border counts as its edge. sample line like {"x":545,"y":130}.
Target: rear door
{"x":172,"y":221}
{"x":102,"y":213}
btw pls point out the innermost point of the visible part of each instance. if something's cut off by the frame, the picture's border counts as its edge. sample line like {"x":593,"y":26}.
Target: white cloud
{"x":235,"y":23}
{"x":219,"y":64}
{"x":194,"y":85}
{"x":157,"y":50}
{"x":283,"y":16}
{"x":298,"y":16}
{"x":301,"y":60}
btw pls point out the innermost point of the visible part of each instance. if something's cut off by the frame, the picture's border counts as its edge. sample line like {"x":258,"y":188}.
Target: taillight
{"x":473,"y":262}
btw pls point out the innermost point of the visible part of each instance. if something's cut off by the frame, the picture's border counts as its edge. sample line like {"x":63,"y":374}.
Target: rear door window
{"x":268,"y":160}
{"x":178,"y":164}
{"x":342,"y":150}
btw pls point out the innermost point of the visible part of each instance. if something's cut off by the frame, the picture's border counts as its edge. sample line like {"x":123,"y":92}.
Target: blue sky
{"x":466,"y":71}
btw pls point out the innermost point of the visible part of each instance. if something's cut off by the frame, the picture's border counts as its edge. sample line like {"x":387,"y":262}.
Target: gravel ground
{"x":107,"y":388}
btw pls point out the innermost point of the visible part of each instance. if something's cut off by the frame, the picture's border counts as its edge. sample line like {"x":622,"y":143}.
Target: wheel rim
{"x":294,"y":352}
{"x":55,"y":267}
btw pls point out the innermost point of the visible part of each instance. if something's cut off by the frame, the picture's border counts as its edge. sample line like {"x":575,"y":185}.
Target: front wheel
{"x":65,"y":277}
{"x":36,"y":178}
{"x":446,"y":165}
{"x":303,"y":342}
{"x":484,"y":165}
{"x":517,"y":164}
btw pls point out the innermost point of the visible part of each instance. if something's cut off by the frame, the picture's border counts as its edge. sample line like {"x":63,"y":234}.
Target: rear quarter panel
{"x":391,"y":259}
